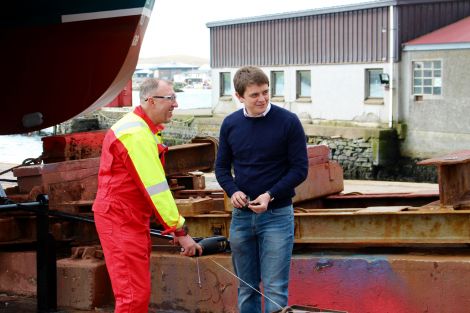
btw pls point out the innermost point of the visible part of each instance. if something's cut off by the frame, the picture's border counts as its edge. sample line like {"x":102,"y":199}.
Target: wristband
{"x":183,"y":231}
{"x":270,"y":195}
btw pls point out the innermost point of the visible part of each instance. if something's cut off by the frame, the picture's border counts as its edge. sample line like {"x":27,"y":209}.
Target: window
{"x":303,"y":84}
{"x":277,"y":83}
{"x":374,"y":88}
{"x":225,"y":87}
{"x":427,"y":78}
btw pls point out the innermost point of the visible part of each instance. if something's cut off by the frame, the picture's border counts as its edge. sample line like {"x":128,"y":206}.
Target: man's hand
{"x":239,"y":199}
{"x":188,"y":246}
{"x":260,"y":204}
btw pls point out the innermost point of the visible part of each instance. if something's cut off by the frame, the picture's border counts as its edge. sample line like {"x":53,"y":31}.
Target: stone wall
{"x":184,"y":128}
{"x":354,"y":155}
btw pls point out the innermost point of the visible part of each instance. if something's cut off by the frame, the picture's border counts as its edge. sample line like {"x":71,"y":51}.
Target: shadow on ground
{"x":19,"y":304}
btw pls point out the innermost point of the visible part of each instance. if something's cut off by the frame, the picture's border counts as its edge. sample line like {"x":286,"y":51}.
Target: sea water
{"x":16,"y":148}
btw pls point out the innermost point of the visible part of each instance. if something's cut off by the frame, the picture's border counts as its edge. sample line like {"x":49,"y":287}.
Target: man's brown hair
{"x":248,"y":75}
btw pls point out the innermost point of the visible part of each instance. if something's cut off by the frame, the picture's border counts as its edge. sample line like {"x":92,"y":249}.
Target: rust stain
{"x":436,"y":229}
{"x":216,"y":289}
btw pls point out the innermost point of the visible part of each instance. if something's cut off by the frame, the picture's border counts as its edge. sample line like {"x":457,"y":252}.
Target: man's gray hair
{"x":148,"y":86}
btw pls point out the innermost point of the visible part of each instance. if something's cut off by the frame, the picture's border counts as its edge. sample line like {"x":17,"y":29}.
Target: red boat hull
{"x":59,"y":71}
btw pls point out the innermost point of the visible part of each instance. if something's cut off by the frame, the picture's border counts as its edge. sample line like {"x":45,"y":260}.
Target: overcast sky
{"x":179,"y":26}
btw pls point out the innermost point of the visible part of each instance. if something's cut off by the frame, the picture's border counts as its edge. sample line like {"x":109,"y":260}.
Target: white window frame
{"x":433,"y":81}
{"x":274,"y":77}
{"x":223,"y":91}
{"x":298,"y":92}
{"x":368,"y":99}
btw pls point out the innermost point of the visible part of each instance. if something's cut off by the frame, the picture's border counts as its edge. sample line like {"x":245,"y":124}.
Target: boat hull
{"x":53,"y":72}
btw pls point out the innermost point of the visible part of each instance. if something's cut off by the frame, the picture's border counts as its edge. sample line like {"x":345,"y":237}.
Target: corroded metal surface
{"x":374,"y":225}
{"x":73,"y":146}
{"x":454,"y":179}
{"x":322,"y":180}
{"x":351,"y":281}
{"x":190,"y":157}
{"x":357,"y":200}
{"x":341,"y":281}
{"x":74,"y":181}
{"x":305,"y":309}
{"x":206,"y":225}
{"x":193,"y":284}
{"x":180,"y":159}
{"x":378,"y":283}
{"x":383,"y":226}
{"x":324,"y":177}
{"x":9,"y":229}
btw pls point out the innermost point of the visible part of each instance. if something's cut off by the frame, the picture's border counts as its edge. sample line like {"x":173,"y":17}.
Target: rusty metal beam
{"x":369,"y":226}
{"x":196,"y":156}
{"x":355,"y":200}
{"x":180,"y":159}
{"x":376,"y":225}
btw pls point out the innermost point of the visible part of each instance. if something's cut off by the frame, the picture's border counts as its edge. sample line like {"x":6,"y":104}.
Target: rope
{"x":246,"y":283}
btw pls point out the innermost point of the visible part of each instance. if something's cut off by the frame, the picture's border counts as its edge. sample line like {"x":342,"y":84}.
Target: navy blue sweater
{"x":267,"y":153}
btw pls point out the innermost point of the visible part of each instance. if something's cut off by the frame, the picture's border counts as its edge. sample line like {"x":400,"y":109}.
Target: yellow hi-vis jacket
{"x":131,"y":172}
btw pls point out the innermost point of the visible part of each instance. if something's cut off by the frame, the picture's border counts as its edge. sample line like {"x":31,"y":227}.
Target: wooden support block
{"x":72,"y":146}
{"x":70,"y":182}
{"x":83,"y":283}
{"x":453,"y":175}
{"x":228,"y":207}
{"x":9,"y":229}
{"x":194,"y":206}
{"x":28,"y":177}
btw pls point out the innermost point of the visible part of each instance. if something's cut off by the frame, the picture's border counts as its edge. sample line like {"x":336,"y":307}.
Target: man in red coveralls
{"x":131,"y":187}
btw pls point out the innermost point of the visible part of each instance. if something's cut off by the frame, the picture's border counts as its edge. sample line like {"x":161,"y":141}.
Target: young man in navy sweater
{"x":266,"y":147}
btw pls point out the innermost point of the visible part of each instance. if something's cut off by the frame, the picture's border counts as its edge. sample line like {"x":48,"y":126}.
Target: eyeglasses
{"x":171,"y":98}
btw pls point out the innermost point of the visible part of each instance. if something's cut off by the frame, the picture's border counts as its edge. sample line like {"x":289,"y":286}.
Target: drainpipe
{"x":391,"y":48}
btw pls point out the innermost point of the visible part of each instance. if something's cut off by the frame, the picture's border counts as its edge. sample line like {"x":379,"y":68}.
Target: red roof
{"x":458,"y":32}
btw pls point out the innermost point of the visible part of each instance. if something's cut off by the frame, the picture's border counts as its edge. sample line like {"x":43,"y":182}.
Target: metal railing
{"x":46,"y":265}
{"x":46,"y":262}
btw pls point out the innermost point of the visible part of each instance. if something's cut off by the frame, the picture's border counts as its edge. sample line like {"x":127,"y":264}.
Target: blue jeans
{"x":261,"y":252}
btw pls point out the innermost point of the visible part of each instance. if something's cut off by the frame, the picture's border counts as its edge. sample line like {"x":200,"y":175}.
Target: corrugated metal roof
{"x":326,"y":10}
{"x":278,"y":16}
{"x":349,"y":34}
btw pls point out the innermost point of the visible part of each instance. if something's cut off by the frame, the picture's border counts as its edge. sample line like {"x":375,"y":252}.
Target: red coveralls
{"x":131,"y":187}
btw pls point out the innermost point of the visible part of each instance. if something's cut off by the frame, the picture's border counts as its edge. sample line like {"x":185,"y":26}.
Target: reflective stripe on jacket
{"x":131,"y":170}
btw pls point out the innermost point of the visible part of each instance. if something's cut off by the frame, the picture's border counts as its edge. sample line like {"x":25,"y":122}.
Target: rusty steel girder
{"x":383,"y":226}
{"x":196,"y":156}
{"x":71,"y":183}
{"x":374,"y":225}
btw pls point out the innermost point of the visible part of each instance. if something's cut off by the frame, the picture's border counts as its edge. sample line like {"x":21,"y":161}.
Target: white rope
{"x":233,"y":274}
